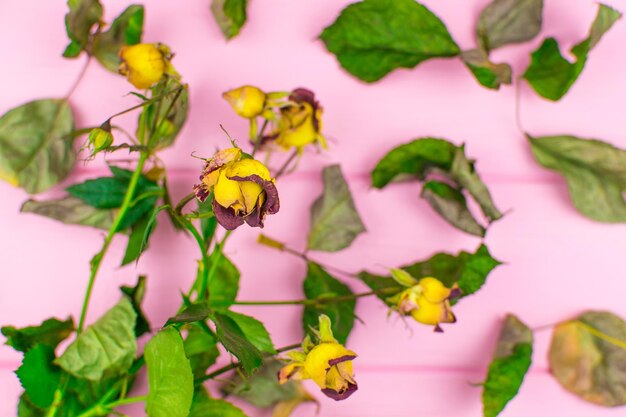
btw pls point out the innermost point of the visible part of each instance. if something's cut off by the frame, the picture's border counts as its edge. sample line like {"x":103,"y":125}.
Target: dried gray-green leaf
{"x":508,"y":367}
{"x":595,"y":172}
{"x":230,"y":15}
{"x":83,"y":15}
{"x":505,"y":22}
{"x":374,"y":37}
{"x":587,"y":357}
{"x":487,"y":73}
{"x":335,"y":222}
{"x":70,"y":210}
{"x":451,"y":205}
{"x":170,"y":380}
{"x":465,"y":175}
{"x":263,"y":390}
{"x":36,"y":144}
{"x":106,"y":347}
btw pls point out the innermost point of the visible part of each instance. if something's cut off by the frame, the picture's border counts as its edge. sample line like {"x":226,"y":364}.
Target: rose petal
{"x":226,"y":217}
{"x":339,"y":396}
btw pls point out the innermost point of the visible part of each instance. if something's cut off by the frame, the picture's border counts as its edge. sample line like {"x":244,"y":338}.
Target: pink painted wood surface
{"x":558,"y":263}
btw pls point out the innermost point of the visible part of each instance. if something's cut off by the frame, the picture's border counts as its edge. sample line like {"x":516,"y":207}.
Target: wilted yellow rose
{"x":144,"y":64}
{"x":300,"y":122}
{"x":426,"y":300}
{"x":247,"y":101}
{"x":243,"y":189}
{"x":328,"y":364}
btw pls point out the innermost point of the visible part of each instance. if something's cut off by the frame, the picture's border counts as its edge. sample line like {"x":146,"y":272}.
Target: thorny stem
{"x":78,"y":79}
{"x":282,"y":169}
{"x":235,"y":365}
{"x":259,"y":137}
{"x":319,"y":300}
{"x":97,"y":260}
{"x":306,"y":258}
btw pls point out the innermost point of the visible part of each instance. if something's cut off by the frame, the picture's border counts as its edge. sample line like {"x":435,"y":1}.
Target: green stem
{"x":319,"y":300}
{"x":235,"y":365}
{"x":97,"y":260}
{"x":78,"y":79}
{"x":147,"y":102}
{"x":182,"y":203}
{"x":57,"y":400}
{"x":125,"y":401}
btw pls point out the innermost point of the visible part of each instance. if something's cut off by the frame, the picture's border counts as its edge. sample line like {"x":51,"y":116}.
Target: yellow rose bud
{"x":428,"y":301}
{"x":143,"y":64}
{"x":328,"y":364}
{"x":300,"y":122}
{"x":247,"y":101}
{"x":243,"y":189}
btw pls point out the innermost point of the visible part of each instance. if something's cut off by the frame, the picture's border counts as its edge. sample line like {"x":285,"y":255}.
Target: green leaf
{"x":106,"y":347}
{"x":224,"y":286}
{"x":159,"y":123}
{"x":595,"y":172}
{"x":468,"y":270}
{"x":136,"y":246}
{"x":508,"y":367}
{"x":83,"y":15}
{"x":25,"y":408}
{"x":191,"y":314}
{"x":317,"y":285}
{"x":125,"y":30}
{"x":550,"y":74}
{"x":170,"y":379}
{"x":201,"y":349}
{"x":36,"y":144}
{"x":487,"y":73}
{"x":415,"y":158}
{"x":335,"y":221}
{"x":475,"y":269}
{"x":253,"y":330}
{"x":103,"y":193}
{"x":230,"y":15}
{"x":505,"y":22}
{"x":136,"y":295}
{"x":587,"y":357}
{"x":70,"y":210}
{"x":374,"y":37}
{"x":234,"y":339}
{"x":450,"y":203}
{"x":50,"y":333}
{"x":465,"y":175}
{"x":109,"y":192}
{"x":39,"y":376}
{"x":263,"y":390}
{"x":205,"y":406}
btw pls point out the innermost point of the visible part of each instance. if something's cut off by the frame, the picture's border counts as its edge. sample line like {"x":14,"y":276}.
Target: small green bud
{"x":101,"y":137}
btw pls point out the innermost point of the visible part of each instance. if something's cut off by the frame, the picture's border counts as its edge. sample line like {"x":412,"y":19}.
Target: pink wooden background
{"x":558,"y":263}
